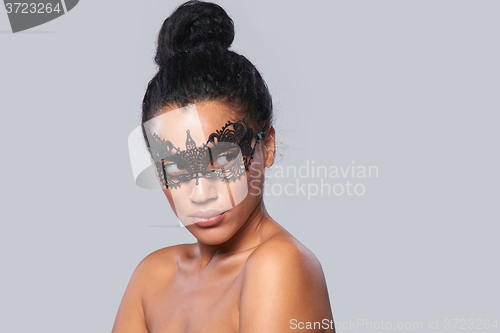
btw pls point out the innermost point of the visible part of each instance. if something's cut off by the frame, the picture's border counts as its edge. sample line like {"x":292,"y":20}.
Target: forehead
{"x":201,"y":120}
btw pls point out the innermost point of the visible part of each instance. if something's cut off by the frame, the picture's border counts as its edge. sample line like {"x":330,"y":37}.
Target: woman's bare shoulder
{"x":285,"y":253}
{"x":150,"y":274}
{"x":283,"y":283}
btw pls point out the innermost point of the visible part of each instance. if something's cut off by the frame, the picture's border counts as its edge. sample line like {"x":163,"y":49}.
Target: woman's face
{"x":211,"y":178}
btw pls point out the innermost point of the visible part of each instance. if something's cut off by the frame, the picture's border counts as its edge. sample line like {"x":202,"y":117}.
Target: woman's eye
{"x":225,"y":158}
{"x":174,"y":168}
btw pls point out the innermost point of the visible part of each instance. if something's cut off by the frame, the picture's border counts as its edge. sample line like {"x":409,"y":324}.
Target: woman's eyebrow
{"x":172,"y":158}
{"x":222,"y":146}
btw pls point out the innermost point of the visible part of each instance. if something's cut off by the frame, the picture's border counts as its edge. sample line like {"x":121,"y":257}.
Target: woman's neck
{"x":249,"y":236}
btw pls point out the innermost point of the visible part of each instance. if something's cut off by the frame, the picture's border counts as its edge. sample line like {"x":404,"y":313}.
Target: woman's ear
{"x":269,"y":147}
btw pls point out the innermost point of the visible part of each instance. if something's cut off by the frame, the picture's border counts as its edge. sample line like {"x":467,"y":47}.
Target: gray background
{"x":409,"y":86}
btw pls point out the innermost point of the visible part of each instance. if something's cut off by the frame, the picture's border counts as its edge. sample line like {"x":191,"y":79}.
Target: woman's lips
{"x":207,"y":218}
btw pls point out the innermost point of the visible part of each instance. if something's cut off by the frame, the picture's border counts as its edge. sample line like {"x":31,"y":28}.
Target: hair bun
{"x":191,"y":24}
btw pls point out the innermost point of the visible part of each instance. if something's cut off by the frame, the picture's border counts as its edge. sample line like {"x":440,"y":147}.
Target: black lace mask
{"x":227,"y":154}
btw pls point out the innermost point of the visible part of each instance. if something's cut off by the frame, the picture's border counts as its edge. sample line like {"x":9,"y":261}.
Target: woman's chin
{"x":210,"y":236}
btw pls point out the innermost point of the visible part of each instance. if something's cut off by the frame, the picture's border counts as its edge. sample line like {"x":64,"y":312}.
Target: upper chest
{"x":207,"y":302}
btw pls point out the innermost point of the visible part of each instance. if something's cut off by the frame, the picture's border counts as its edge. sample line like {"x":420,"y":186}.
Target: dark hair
{"x":195,"y":65}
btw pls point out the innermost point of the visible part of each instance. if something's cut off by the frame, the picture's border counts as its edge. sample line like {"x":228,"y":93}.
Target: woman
{"x":207,"y":123}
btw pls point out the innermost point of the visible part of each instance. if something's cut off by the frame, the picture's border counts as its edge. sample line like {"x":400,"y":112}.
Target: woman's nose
{"x":202,"y":190}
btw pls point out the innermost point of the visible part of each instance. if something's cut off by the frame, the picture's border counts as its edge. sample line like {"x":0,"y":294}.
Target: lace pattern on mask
{"x":233,"y":140}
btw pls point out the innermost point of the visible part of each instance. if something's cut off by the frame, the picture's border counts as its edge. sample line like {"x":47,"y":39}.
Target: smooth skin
{"x":247,"y":274}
